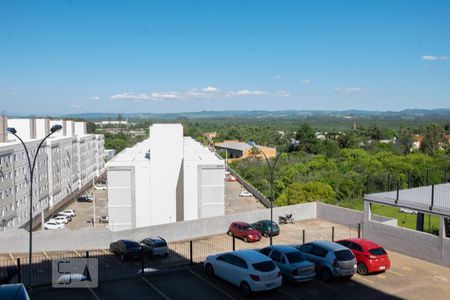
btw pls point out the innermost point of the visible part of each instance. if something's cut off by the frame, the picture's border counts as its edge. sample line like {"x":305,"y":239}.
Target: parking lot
{"x":408,"y":279}
{"x":234,"y":203}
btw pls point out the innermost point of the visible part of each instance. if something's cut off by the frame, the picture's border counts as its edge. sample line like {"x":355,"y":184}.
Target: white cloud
{"x":278,"y":77}
{"x":250,"y":93}
{"x":306,"y":81}
{"x":204,"y":93}
{"x":349,"y":90}
{"x":210,"y":89}
{"x":434,"y":58}
{"x":77,"y":107}
{"x":95,"y":98}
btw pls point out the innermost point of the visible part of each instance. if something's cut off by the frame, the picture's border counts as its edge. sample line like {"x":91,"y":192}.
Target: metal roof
{"x":428,"y":199}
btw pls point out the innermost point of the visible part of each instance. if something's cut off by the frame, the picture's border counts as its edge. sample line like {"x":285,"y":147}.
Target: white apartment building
{"x":59,"y":169}
{"x":166,"y":178}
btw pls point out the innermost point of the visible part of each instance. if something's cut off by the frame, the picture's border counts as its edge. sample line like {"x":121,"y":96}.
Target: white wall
{"x":166,"y":155}
{"x":80,"y":128}
{"x":70,"y":128}
{"x":59,"y":133}
{"x":42,"y":128}
{"x":23,"y":127}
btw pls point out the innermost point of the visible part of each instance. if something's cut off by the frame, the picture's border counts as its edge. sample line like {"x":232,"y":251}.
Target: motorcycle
{"x":286,"y":219}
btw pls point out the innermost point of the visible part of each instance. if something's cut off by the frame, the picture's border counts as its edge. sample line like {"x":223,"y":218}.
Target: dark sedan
{"x":125,"y":249}
{"x":264,"y":228}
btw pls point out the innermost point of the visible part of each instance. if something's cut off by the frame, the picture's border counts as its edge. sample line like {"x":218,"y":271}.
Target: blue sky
{"x":175,"y":56}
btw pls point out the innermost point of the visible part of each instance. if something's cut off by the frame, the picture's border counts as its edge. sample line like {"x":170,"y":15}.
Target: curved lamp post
{"x":271,"y":167}
{"x":13,"y":131}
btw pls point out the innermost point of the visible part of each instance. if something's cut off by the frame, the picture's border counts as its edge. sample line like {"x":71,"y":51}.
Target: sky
{"x":154,"y":56}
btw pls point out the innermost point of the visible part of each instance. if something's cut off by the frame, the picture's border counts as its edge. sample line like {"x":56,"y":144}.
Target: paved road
{"x":234,"y":203}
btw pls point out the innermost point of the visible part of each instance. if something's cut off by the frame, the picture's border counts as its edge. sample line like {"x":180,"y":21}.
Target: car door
{"x":306,"y":249}
{"x":222,"y":266}
{"x":240,"y":232}
{"x":238,"y":270}
{"x":234,"y":229}
{"x":318,"y":255}
{"x":278,"y":259}
{"x":357,"y":251}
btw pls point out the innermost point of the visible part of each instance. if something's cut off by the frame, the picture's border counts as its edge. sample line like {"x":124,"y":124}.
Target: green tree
{"x":308,"y":192}
{"x":433,"y":139}
{"x":405,"y":139}
{"x":307,"y":139}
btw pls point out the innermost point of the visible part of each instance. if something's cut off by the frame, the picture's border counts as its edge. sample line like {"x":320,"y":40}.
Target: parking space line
{"x":46,"y":255}
{"x":76,"y":252}
{"x":94,"y":293}
{"x":155,"y":288}
{"x":12,"y":258}
{"x":364,"y":279}
{"x":106,"y":252}
{"x":212,"y":285}
{"x":407,"y":269}
{"x":395,"y":273}
{"x":289,"y":295}
{"x":327,"y":286}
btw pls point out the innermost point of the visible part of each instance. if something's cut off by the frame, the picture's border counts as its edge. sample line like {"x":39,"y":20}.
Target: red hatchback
{"x":244,"y":231}
{"x":370,"y":257}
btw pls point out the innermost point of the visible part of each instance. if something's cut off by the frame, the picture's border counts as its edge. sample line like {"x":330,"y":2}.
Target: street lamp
{"x":13,"y":131}
{"x":271,"y":167}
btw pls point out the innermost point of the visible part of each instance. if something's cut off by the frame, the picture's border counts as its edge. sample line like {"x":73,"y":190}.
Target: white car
{"x":61,"y":219}
{"x":52,"y":225}
{"x":245,"y":194}
{"x":250,"y":270}
{"x":408,"y":211}
{"x":68,"y":212}
{"x":101,"y":187}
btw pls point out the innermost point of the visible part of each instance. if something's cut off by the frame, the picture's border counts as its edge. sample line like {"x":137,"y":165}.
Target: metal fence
{"x":183,"y":253}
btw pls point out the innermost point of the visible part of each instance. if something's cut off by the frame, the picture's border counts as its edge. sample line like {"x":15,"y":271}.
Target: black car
{"x":85,"y":198}
{"x":125,"y":249}
{"x":155,"y":246}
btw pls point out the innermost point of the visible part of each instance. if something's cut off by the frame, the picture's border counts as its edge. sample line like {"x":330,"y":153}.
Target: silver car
{"x":293,"y":264}
{"x":331,"y":259}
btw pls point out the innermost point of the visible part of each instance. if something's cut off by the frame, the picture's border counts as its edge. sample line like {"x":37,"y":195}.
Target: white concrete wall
{"x":166,"y":155}
{"x":80,"y":128}
{"x":70,"y":128}
{"x":23,"y":127}
{"x":59,"y":133}
{"x":42,"y":128}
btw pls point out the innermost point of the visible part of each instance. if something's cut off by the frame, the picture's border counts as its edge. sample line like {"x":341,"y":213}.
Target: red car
{"x":244,"y":231}
{"x":370,"y":256}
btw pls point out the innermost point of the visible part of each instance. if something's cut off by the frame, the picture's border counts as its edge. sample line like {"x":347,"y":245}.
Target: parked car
{"x":370,"y":257}
{"x":408,"y":211}
{"x":292,"y":262}
{"x":52,"y":225}
{"x":155,"y":246}
{"x":62,"y":219}
{"x":125,"y":249}
{"x":230,"y":178}
{"x":331,"y":259}
{"x":244,"y":231}
{"x":68,"y":212}
{"x":101,"y":187}
{"x":245,"y":194}
{"x":69,"y":219}
{"x":85,"y":198}
{"x":227,"y":173}
{"x":264,"y":228}
{"x":103,"y":219}
{"x":250,"y":270}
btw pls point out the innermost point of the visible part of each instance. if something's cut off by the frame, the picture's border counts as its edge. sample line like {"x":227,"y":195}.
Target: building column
{"x":442,"y":236}
{"x":367,"y":217}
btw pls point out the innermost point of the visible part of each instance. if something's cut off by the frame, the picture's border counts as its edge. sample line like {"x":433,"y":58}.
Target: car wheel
{"x":266,"y":235}
{"x":362,"y":269}
{"x":230,"y":233}
{"x":122,"y":257}
{"x":209,"y":270}
{"x":245,"y":289}
{"x":325,"y":274}
{"x":245,"y":239}
{"x":292,"y":221}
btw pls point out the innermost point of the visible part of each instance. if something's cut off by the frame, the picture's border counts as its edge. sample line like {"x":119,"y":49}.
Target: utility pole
{"x":93,"y":195}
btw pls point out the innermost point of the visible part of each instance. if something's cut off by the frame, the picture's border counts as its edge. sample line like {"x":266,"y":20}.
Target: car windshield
{"x":159,"y":243}
{"x":377,"y":251}
{"x":343,"y":255}
{"x":130,"y":244}
{"x":248,"y":227}
{"x":265,"y":266}
{"x":295,"y":257}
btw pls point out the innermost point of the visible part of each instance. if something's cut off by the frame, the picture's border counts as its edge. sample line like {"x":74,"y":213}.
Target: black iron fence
{"x":15,"y":268}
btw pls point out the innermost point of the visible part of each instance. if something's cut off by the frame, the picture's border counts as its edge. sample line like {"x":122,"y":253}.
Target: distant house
{"x":237,"y":149}
{"x":210,"y":135}
{"x":417,"y":142}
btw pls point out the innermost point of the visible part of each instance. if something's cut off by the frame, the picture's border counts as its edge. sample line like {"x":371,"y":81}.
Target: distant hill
{"x":297,"y":114}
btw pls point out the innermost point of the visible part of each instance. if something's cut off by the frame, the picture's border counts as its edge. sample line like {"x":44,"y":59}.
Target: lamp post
{"x":13,"y":131}
{"x":271,"y":167}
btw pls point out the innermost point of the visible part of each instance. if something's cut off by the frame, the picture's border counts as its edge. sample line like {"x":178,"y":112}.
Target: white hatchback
{"x":52,"y":225}
{"x":247,"y":269}
{"x":245,"y":194}
{"x":68,"y":212}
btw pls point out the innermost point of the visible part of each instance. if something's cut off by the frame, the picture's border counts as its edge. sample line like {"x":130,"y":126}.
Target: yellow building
{"x":238,"y":150}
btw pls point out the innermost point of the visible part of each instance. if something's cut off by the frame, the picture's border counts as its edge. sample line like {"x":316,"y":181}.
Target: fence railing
{"x":16,"y":268}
